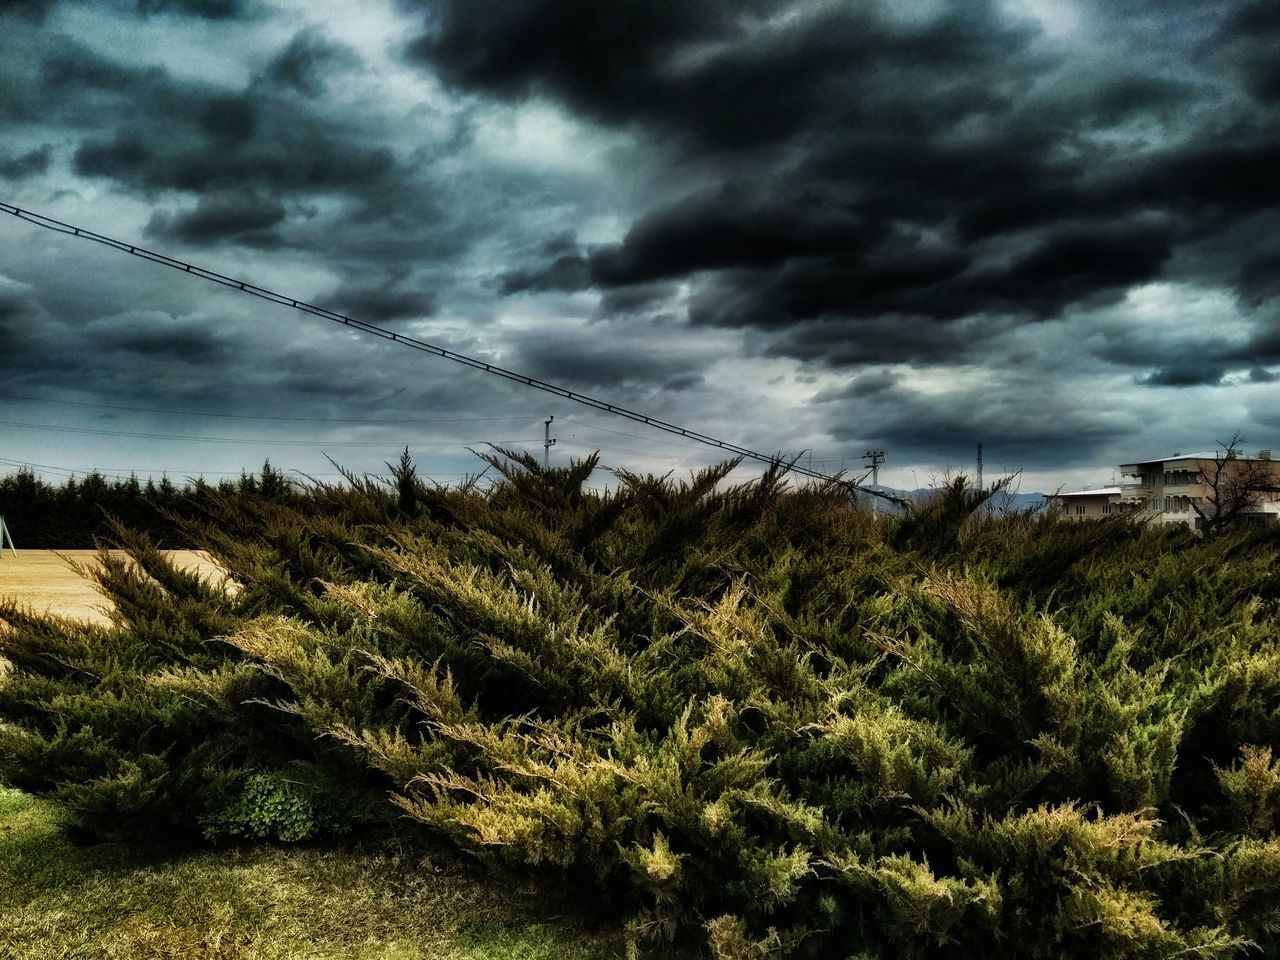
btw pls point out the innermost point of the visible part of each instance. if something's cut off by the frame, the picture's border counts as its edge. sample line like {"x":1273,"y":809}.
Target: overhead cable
{"x":777,"y":460}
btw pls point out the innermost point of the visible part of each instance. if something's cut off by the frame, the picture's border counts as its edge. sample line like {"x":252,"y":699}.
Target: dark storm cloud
{"x":600,"y":58}
{"x":229,"y":356}
{"x":42,"y":347}
{"x":1259,"y":277}
{"x":683,"y":381}
{"x":309,"y":63}
{"x":147,"y":130}
{"x":886,"y":339}
{"x":237,"y":216}
{"x":160,"y":338}
{"x":635,"y":300}
{"x":721,"y":72}
{"x":206,"y":9}
{"x":1069,"y":267}
{"x":19,"y":312}
{"x":863,"y":385}
{"x":601,"y":366}
{"x":873,"y":167}
{"x":1263,"y":347}
{"x":1248,"y":38}
{"x":1213,"y":346}
{"x":28,"y":164}
{"x":949,"y":220}
{"x":200,"y":9}
{"x":1189,"y":374}
{"x":381,"y":304}
{"x":29,"y":9}
{"x":222,"y":152}
{"x":926,"y":426}
{"x":724,"y":229}
{"x":559,"y":265}
{"x":261,"y":166}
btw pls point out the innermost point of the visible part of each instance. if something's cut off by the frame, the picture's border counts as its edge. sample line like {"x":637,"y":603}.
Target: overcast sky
{"x":913,"y":225}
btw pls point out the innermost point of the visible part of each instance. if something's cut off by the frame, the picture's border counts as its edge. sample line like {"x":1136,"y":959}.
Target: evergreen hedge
{"x":753,"y":718}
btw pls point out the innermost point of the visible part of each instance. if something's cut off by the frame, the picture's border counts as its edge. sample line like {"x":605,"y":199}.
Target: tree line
{"x":80,"y":511}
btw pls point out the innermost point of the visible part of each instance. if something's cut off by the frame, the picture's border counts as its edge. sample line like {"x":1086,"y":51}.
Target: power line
{"x":634,"y":436}
{"x":238,"y":416}
{"x":642,"y":453}
{"x":262,"y":293}
{"x":357,"y":420}
{"x":246,"y":416}
{"x":655,"y":453}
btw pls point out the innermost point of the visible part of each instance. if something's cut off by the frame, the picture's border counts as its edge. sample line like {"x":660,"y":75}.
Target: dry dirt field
{"x":43,"y":580}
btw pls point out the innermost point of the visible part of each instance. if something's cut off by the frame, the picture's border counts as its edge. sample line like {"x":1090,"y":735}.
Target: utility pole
{"x":876,"y":457}
{"x":547,"y":443}
{"x":979,"y":467}
{"x":5,"y":535}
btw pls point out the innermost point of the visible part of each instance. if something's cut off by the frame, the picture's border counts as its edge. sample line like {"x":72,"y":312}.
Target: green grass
{"x":58,"y":900}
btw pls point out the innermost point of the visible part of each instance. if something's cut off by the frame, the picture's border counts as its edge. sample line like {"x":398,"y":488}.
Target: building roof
{"x":1099,"y":492}
{"x":1198,"y":455}
{"x":1195,"y":455}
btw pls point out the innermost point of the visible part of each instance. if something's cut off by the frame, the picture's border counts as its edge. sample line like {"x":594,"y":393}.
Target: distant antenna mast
{"x":876,"y":457}
{"x":979,"y":467}
{"x":547,"y":443}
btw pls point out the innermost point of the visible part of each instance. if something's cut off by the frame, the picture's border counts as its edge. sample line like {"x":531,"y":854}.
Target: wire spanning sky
{"x":1046,"y":225}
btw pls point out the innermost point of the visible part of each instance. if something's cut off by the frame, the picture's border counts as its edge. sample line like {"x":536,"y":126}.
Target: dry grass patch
{"x":48,"y":581}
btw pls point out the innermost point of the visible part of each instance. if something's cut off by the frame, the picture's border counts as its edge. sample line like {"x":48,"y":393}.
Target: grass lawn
{"x":58,"y":900}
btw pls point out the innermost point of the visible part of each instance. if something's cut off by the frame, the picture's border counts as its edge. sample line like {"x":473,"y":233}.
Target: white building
{"x":1087,"y":504}
{"x":1166,"y":489}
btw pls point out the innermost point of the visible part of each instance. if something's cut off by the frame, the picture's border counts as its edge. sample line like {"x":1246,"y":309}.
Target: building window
{"x":1106,"y":508}
{"x":1080,"y":508}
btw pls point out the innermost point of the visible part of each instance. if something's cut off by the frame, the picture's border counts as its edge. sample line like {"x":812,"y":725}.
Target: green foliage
{"x":278,"y":806}
{"x":759,"y":720}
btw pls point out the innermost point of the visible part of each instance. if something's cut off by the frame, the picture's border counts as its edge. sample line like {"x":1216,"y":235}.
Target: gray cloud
{"x":310,"y":63}
{"x":1016,"y":418}
{"x":609,"y":366}
{"x":162,"y":338}
{"x":235,"y":216}
{"x":381,"y":304}
{"x":1190,"y":374}
{"x":913,"y":225}
{"x":921,"y":178}
{"x":20,"y":166}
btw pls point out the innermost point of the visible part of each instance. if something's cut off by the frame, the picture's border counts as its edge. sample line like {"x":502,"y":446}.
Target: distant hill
{"x":1014,"y":501}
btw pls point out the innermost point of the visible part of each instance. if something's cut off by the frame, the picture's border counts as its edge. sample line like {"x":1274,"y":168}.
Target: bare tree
{"x":1236,"y":485}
